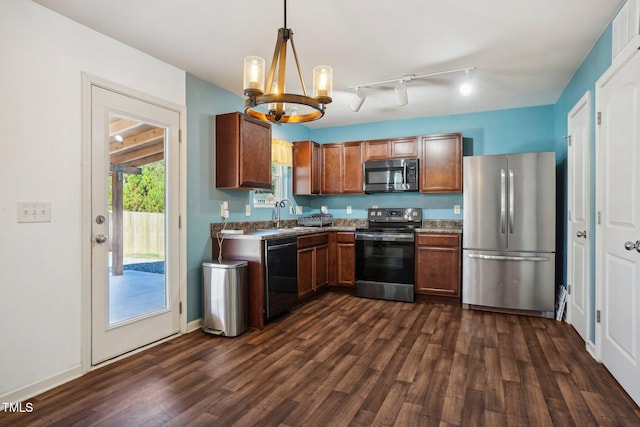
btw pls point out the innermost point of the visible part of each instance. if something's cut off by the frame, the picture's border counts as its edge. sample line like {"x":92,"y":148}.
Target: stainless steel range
{"x":385,"y":254}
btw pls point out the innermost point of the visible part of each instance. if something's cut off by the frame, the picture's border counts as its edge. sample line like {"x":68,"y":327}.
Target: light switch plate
{"x":349,"y":210}
{"x":247,"y":209}
{"x":34,"y":212}
{"x":298,"y":210}
{"x":456,"y":209}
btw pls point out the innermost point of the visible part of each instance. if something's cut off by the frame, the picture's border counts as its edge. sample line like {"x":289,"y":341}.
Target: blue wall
{"x":594,"y":65}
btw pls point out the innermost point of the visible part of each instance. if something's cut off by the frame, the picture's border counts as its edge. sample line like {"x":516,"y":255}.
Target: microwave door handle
{"x":503,"y":201}
{"x":404,"y":173}
{"x":511,"y":202}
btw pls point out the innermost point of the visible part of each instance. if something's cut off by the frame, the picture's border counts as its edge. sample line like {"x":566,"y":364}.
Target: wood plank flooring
{"x":345,"y":361}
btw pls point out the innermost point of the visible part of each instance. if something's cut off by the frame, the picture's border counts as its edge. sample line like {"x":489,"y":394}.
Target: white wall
{"x":42,"y":56}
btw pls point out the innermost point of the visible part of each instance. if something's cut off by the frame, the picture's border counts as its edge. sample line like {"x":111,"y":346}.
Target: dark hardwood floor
{"x":340,"y":360}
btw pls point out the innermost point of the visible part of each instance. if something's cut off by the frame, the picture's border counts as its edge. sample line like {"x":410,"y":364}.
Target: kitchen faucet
{"x":279,"y":205}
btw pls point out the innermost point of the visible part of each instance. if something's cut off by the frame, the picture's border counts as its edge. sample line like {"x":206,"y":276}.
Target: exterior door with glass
{"x":134,"y":211}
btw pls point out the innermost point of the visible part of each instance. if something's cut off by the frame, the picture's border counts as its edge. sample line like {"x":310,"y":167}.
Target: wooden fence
{"x":143,"y":233}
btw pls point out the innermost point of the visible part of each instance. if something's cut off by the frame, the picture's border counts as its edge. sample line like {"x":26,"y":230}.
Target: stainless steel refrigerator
{"x":509,"y":232}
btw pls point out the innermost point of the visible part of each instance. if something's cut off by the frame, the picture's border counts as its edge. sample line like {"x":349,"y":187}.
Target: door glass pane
{"x":137,"y":285}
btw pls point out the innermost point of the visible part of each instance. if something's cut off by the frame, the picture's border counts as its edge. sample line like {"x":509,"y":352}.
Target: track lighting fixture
{"x":401,"y":86}
{"x":358,"y":100}
{"x":466,"y":88}
{"x":401,"y":93}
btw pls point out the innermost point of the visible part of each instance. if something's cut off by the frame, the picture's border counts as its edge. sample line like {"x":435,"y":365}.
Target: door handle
{"x":512,"y":202}
{"x":101,"y":238}
{"x":582,"y":234}
{"x":630,"y":245}
{"x":503,"y":200}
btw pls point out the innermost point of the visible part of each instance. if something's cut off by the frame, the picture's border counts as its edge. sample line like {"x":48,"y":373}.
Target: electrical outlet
{"x":34,"y":212}
{"x":324,"y":209}
{"x":298,"y":210}
{"x":247,"y":209}
{"x":224,"y":210}
{"x":456,"y":209}
{"x":349,"y":210}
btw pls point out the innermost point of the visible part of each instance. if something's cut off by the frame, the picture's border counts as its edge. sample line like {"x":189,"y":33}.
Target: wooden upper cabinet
{"x":306,"y":168}
{"x":331,"y":167}
{"x":383,"y":149}
{"x":342,"y":168}
{"x":243,"y":152}
{"x":441,"y":163}
{"x":352,"y":167}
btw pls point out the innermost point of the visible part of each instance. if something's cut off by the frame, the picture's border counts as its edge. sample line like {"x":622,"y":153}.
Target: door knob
{"x":582,"y":234}
{"x":630,"y":245}
{"x":101,"y":238}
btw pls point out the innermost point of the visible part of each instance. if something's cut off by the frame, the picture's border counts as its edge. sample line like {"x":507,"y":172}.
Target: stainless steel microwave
{"x":383,"y":176}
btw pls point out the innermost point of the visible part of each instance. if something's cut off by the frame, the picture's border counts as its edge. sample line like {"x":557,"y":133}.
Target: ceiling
{"x":133,"y":144}
{"x":524,"y":51}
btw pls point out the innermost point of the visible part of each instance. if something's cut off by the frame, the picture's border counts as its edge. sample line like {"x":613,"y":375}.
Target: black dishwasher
{"x":280,"y":276}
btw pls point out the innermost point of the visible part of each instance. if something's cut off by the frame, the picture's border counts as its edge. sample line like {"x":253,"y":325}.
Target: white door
{"x":578,"y":206}
{"x":134,"y":168}
{"x":618,"y":251}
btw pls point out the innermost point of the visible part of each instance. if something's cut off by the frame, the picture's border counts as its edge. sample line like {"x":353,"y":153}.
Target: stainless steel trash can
{"x":225,"y":297}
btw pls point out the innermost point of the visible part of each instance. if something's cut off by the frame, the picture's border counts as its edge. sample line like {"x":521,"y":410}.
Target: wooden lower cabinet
{"x":342,"y":270}
{"x":313,"y":263}
{"x":438,"y":271}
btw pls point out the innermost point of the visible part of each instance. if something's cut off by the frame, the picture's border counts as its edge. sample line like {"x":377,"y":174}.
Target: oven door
{"x":385,"y":265}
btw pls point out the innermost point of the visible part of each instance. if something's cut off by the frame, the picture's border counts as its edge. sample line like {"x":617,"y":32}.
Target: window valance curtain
{"x":281,"y":152}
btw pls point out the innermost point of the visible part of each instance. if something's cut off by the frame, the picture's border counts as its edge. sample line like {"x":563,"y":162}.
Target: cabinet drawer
{"x":345,"y":237}
{"x":426,"y":239}
{"x":313,"y":240}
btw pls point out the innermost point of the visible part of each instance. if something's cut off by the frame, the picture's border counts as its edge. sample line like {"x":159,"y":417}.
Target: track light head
{"x":358,"y":100}
{"x":401,"y":93}
{"x":466,"y":88}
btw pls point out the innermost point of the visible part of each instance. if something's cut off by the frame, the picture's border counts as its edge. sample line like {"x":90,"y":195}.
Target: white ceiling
{"x":524,"y":51}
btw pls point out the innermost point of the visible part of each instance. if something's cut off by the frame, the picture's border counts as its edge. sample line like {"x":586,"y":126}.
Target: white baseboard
{"x":591,"y":349}
{"x":194,"y":325}
{"x":38,"y":387}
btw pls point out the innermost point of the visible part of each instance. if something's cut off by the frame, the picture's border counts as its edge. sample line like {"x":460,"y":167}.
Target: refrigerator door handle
{"x":509,"y":258}
{"x":511,"y":201}
{"x":503,"y":200}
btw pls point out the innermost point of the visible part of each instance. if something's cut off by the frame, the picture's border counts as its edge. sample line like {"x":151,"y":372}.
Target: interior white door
{"x":122,"y":322}
{"x":578,"y":206}
{"x":618,"y":238}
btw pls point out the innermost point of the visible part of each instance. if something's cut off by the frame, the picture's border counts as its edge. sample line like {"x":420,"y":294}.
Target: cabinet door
{"x":321,"y":266}
{"x":352,"y":167}
{"x":306,"y":274}
{"x":441,"y":163}
{"x":316,"y":168}
{"x":306,"y":168}
{"x":403,"y":147}
{"x":438,"y":264}
{"x":377,"y":150}
{"x":331,"y":168}
{"x":345,"y":261}
{"x":255,"y":154}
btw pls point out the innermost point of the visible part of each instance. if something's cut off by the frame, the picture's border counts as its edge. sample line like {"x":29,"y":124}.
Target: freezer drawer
{"x":509,"y":280}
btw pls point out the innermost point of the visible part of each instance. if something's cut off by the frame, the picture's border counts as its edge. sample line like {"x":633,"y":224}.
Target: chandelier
{"x":276,"y":105}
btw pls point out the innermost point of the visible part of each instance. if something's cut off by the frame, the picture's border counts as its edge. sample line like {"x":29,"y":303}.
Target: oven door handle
{"x":386,"y":237}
